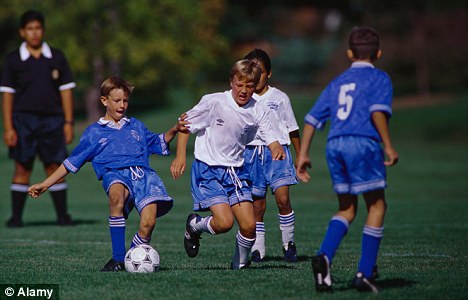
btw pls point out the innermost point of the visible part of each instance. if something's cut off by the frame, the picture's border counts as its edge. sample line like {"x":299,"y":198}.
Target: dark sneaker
{"x":14,"y":223}
{"x":364,"y":284}
{"x":256,"y":257}
{"x":240,"y":267}
{"x":322,"y":276}
{"x":191,"y":238}
{"x":65,"y":220}
{"x":290,"y":255}
{"x":113,"y":266}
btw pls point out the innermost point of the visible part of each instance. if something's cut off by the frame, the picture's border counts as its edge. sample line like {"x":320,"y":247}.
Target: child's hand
{"x":277,"y":151}
{"x":178,"y":167}
{"x":303,"y":163}
{"x":182,"y":124}
{"x":392,"y":157}
{"x":36,"y":190}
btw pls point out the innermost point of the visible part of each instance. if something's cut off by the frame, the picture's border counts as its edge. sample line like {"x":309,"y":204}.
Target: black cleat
{"x":191,"y":238}
{"x":113,"y":266}
{"x":256,"y":257}
{"x":65,"y":221}
{"x":290,"y":255}
{"x":14,"y":223}
{"x":322,"y":276}
{"x":364,"y":284}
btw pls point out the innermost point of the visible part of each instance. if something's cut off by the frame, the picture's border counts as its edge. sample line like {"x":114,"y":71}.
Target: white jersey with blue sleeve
{"x":281,"y":114}
{"x":224,"y":128}
{"x":350,"y":99}
{"x":109,"y":147}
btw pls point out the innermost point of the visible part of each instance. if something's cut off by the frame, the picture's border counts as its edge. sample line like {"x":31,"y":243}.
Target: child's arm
{"x":381,"y":124}
{"x":303,"y":160}
{"x":180,"y":126}
{"x":39,"y":188}
{"x":296,"y":142}
{"x":179,"y":162}
{"x":277,"y":151}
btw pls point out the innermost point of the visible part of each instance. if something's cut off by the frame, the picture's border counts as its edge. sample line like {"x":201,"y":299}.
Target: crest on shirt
{"x":273,"y":105}
{"x":135,"y":135}
{"x":103,"y":141}
{"x":220,"y":122}
{"x":55,"y":74}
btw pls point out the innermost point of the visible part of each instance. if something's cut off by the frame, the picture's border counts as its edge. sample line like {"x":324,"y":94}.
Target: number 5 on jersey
{"x":345,"y":101}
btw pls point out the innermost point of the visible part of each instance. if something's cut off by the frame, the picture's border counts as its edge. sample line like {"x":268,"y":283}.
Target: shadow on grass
{"x":281,"y":258}
{"x":390,"y":283}
{"x":75,"y":222}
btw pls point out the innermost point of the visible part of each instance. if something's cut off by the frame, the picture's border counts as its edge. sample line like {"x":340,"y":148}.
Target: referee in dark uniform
{"x":37,"y":104}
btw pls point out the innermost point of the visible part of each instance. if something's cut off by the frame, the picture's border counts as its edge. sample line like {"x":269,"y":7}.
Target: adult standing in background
{"x":37,"y":103}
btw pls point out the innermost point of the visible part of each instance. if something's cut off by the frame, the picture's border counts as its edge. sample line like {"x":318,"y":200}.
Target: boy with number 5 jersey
{"x":358,"y":105}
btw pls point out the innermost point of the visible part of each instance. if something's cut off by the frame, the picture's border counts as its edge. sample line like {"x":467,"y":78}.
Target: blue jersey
{"x":111,"y":148}
{"x":349,"y":101}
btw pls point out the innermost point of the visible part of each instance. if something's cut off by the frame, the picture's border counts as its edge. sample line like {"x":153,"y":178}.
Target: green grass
{"x":423,"y":254}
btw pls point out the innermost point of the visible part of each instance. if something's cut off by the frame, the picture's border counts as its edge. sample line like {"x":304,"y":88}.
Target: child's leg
{"x":286,"y":215}
{"x":147,"y":224}
{"x":245,"y":238}
{"x":259,"y":205}
{"x":117,"y":195}
{"x":339,"y":224}
{"x":373,"y":231}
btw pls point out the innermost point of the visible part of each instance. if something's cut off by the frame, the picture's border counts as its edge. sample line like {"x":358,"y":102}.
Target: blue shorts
{"x":356,"y":165}
{"x":268,"y":172}
{"x":217,"y":184}
{"x":143,"y":190}
{"x":39,"y":134}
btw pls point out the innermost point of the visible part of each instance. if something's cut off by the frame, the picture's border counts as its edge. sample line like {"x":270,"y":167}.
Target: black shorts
{"x":39,"y":134}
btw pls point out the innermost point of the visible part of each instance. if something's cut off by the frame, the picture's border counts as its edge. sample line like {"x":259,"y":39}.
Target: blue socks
{"x":371,"y":237}
{"x":337,"y":229}
{"x":117,"y":233}
{"x":138,"y":240}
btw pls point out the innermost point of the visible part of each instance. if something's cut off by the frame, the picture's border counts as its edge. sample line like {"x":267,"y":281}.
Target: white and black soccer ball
{"x":142,"y":259}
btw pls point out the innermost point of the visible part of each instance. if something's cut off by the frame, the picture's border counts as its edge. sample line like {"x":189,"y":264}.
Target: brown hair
{"x":113,"y":83}
{"x":364,"y":42}
{"x":246,"y":70}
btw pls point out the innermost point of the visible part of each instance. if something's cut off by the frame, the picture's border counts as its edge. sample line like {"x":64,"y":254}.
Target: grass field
{"x":423,"y":254}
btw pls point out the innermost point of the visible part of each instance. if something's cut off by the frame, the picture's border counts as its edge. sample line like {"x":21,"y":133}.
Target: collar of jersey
{"x":233,"y":102}
{"x":264,"y":96}
{"x":24,"y":52}
{"x":361,"y":64}
{"x":111,"y":124}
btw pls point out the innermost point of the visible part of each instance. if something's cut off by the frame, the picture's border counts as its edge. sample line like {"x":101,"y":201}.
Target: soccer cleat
{"x":322,"y":276}
{"x":256,"y":257}
{"x":191,"y":238}
{"x":364,"y":284}
{"x":241,"y":266}
{"x":290,"y":255}
{"x":65,"y":221}
{"x":14,"y":223}
{"x":113,"y":266}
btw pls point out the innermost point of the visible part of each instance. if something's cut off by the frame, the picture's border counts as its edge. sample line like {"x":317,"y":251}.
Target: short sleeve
{"x":320,"y":112}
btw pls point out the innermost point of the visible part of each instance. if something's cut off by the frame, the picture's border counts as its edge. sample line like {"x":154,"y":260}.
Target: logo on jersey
{"x":55,"y":74}
{"x":102,"y":141}
{"x":220,"y":122}
{"x":273,"y":105}
{"x":135,"y":135}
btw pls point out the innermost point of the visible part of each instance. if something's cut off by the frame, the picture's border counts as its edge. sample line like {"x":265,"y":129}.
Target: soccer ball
{"x":142,"y":259}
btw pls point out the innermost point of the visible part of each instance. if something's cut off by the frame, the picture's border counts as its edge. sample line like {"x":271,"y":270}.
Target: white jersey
{"x":224,"y":128}
{"x":281,"y":114}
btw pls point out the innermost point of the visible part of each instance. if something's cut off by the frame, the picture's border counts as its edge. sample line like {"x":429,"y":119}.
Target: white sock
{"x":242,"y":251}
{"x":201,"y":224}
{"x":260,"y":240}
{"x":287,"y":228}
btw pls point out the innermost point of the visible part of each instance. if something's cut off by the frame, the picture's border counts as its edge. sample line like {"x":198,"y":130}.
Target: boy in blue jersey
{"x":358,"y":105}
{"x":277,"y":174}
{"x":118,"y":148}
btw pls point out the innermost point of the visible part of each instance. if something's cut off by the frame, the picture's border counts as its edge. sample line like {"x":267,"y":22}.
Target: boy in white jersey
{"x":225,"y":123}
{"x":278,"y":174}
{"x":358,"y":104}
{"x":119,"y":148}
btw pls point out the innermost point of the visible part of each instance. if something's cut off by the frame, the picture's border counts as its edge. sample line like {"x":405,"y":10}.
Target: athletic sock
{"x":287,"y":228}
{"x":337,"y":229}
{"x":260,"y":240}
{"x":242,"y":251}
{"x":138,"y":240}
{"x":58,"y":193}
{"x":371,"y":237}
{"x":19,"y":193}
{"x":202,"y":224}
{"x":117,"y":233}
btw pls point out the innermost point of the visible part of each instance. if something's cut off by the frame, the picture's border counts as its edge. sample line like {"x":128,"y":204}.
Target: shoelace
{"x":137,"y":172}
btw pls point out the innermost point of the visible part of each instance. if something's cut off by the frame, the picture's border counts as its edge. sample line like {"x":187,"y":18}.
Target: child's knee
{"x":116,"y":202}
{"x":222,"y":225}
